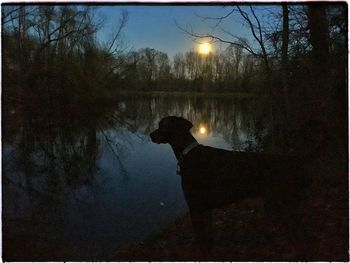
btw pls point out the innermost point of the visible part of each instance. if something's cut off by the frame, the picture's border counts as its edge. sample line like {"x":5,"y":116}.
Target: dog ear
{"x":185,"y":125}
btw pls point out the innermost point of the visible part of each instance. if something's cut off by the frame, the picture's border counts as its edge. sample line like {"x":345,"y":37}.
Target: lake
{"x":82,"y":189}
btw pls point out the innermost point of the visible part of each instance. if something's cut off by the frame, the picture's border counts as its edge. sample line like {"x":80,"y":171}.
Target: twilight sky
{"x":154,"y":26}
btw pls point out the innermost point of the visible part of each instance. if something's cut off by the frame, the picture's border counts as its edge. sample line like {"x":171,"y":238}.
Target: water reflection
{"x":87,"y":182}
{"x":202,"y":130}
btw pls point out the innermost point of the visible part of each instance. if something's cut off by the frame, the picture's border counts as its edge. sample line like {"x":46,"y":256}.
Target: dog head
{"x":170,"y":127}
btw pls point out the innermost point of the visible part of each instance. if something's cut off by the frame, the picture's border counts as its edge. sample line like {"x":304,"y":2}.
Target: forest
{"x":296,"y":68}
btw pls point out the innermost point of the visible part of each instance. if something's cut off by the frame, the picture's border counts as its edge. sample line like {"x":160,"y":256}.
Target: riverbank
{"x":241,"y":232}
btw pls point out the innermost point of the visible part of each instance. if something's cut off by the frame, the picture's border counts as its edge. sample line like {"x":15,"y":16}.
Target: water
{"x":83,"y":189}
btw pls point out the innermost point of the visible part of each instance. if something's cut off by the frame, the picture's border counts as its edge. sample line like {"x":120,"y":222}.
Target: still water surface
{"x":86,"y":190}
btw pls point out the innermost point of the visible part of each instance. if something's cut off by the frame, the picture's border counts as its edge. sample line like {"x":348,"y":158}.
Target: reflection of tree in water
{"x":233,"y":119}
{"x":54,"y":155}
{"x":49,"y":158}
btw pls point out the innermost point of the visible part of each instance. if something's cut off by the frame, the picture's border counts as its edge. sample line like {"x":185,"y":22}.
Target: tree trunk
{"x":284,"y":60}
{"x":319,"y":33}
{"x":319,"y":91}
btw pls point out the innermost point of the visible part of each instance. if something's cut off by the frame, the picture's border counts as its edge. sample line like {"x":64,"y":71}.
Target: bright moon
{"x":204,"y":48}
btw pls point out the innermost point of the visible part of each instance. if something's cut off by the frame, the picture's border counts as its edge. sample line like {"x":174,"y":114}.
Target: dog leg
{"x":202,"y":225}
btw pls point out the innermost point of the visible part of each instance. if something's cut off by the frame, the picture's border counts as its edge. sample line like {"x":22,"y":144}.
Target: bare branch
{"x":240,"y":43}
{"x":11,"y":17}
{"x":64,"y":23}
{"x":259,"y":38}
{"x":219,"y":18}
{"x":122,"y":23}
{"x":9,"y":14}
{"x":248,"y":20}
{"x":258,"y":22}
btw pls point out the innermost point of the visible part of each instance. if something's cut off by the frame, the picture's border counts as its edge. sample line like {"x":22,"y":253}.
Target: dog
{"x":212,"y":178}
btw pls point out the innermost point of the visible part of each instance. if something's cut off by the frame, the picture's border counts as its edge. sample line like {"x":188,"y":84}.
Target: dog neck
{"x":180,"y":144}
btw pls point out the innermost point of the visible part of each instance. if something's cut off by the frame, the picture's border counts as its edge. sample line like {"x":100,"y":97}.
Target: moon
{"x":204,"y":48}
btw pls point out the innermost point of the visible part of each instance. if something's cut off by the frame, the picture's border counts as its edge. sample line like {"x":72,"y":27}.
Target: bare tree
{"x":251,"y":20}
{"x":179,"y":66}
{"x":116,"y":46}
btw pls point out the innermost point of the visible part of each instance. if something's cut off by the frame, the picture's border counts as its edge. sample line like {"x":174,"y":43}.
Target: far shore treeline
{"x":52,"y":60}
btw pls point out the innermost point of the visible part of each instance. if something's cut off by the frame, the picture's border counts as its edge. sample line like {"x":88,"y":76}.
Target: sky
{"x":155,"y":26}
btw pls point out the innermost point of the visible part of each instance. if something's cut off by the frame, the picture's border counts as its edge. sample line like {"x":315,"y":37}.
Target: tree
{"x":179,"y":66}
{"x":319,"y":39}
{"x":284,"y":58}
{"x":56,"y":59}
{"x":163,"y":66}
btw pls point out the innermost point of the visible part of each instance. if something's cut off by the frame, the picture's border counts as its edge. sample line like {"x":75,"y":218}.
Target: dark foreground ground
{"x":241,"y":232}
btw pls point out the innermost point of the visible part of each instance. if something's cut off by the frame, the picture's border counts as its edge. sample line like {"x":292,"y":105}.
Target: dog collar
{"x":189,"y":148}
{"x":182,"y":155}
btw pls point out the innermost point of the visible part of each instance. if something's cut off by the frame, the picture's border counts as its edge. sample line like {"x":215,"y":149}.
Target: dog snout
{"x":152,"y":136}
{"x":156,"y":136}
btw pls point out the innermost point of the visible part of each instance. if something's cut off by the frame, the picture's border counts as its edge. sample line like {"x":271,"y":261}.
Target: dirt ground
{"x":242,"y":233}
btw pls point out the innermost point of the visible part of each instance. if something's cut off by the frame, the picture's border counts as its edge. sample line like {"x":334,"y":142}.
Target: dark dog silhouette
{"x":214,"y":177}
